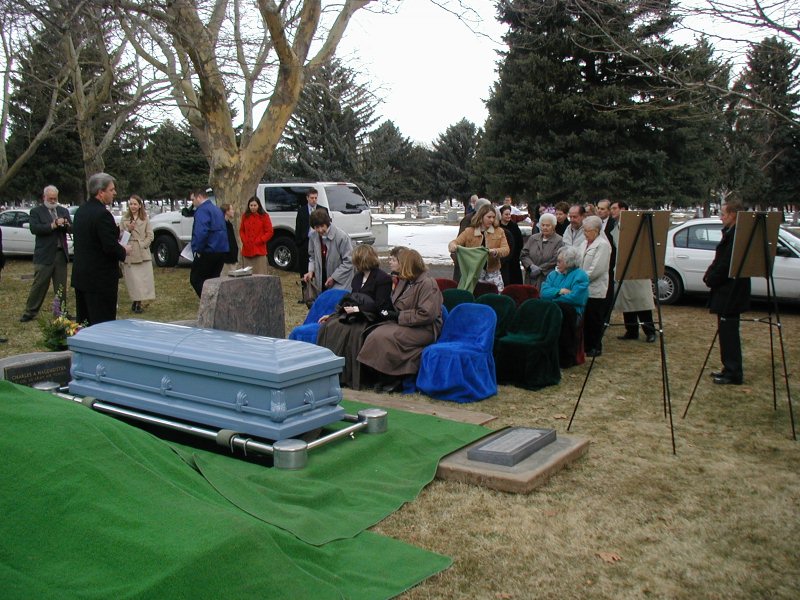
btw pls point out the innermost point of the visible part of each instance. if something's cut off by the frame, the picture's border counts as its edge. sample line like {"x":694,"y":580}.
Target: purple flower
{"x":56,"y":306}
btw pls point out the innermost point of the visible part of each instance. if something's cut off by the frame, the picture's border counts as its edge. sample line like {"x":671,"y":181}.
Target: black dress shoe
{"x":727,"y":380}
{"x":593,"y":352}
{"x":718,"y":373}
{"x":628,"y":337}
{"x":25,"y":318}
{"x":651,"y":337}
{"x":3,"y":340}
{"x":393,"y":387}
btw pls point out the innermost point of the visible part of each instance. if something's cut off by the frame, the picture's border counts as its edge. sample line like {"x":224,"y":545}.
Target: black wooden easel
{"x":759,"y":259}
{"x":645,"y":225}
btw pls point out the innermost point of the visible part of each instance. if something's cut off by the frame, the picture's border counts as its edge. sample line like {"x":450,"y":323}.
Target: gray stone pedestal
{"x":251,"y":304}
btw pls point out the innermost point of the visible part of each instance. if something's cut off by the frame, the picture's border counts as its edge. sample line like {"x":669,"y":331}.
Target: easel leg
{"x":700,"y":376}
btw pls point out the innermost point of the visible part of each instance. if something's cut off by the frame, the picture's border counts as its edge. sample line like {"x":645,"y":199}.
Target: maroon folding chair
{"x":520,"y":292}
{"x":445,"y":284}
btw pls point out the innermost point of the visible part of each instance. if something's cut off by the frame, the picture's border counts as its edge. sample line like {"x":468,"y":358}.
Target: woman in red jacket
{"x":255,"y":230}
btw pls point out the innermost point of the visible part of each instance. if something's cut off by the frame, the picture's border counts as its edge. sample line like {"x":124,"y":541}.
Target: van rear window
{"x":284,"y":199}
{"x":345,"y":199}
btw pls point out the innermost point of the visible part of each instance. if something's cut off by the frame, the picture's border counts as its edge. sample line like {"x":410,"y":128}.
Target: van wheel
{"x":165,"y":251}
{"x":282,"y":253}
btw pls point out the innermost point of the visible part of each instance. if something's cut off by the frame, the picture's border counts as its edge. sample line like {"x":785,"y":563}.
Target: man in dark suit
{"x":302,"y":229}
{"x":729,"y":299}
{"x":95,"y":272}
{"x":50,"y":223}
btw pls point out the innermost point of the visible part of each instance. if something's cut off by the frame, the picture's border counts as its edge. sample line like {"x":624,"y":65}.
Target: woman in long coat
{"x":540,"y":254}
{"x":394,"y":348}
{"x":255,"y":231}
{"x":510,"y":267}
{"x":341,"y":331}
{"x":329,"y":254}
{"x":596,"y":258}
{"x":138,"y":266}
{"x":634,"y":299}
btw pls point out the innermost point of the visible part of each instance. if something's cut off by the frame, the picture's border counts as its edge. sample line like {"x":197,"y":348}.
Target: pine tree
{"x":452,"y":161}
{"x":574,"y":118}
{"x":327,"y":132}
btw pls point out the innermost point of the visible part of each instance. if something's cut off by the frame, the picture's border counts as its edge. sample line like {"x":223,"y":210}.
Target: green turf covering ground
{"x":92,"y":507}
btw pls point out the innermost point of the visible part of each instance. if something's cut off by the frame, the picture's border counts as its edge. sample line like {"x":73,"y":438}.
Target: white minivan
{"x":346,"y":203}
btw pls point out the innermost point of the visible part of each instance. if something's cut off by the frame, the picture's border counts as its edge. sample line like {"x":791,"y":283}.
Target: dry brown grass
{"x":718,"y":520}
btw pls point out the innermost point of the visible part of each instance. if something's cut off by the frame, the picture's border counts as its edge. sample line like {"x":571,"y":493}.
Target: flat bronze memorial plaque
{"x":512,"y":446}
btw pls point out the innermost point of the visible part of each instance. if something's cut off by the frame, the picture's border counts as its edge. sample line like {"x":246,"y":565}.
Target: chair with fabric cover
{"x":520,"y":292}
{"x":504,"y":307}
{"x":460,"y":367}
{"x":484,"y":287}
{"x":453,"y":297}
{"x":325,"y":304}
{"x":527,"y":356}
{"x":446,"y":284}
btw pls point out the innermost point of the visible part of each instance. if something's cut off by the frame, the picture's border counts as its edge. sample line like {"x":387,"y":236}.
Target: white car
{"x":690,"y":250}
{"x":17,"y":237}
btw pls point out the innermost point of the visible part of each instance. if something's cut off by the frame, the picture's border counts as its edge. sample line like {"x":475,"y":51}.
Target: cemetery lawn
{"x":629,"y":520}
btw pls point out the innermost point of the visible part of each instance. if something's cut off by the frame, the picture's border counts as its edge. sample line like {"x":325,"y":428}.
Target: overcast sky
{"x":431,"y":70}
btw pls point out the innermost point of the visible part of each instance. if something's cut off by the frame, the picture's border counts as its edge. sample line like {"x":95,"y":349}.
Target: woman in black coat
{"x":510,"y":268}
{"x":371,"y":292}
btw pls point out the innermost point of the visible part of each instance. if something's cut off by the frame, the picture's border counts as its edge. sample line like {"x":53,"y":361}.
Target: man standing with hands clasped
{"x":729,"y":299}
{"x":50,"y":224}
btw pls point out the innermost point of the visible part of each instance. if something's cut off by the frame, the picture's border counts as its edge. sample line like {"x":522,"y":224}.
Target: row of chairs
{"x":453,"y":296}
{"x":490,"y":341}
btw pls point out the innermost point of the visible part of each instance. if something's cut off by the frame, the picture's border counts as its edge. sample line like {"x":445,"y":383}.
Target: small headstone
{"x":251,"y":305}
{"x":37,"y":367}
{"x":453,"y":216}
{"x":422,"y":211}
{"x":512,"y":446}
{"x":407,"y":214}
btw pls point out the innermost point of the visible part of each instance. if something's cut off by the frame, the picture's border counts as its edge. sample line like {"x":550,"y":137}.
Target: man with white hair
{"x":50,"y":223}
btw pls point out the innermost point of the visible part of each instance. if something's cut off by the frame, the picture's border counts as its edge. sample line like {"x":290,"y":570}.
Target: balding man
{"x":573,"y":235}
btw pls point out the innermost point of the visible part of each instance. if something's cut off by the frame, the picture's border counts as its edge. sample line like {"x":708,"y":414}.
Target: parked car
{"x":17,"y":237}
{"x":347,"y":205}
{"x":690,"y":250}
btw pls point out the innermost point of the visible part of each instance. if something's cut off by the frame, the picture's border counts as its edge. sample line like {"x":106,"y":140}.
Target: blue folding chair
{"x":460,"y":365}
{"x":325,"y":304}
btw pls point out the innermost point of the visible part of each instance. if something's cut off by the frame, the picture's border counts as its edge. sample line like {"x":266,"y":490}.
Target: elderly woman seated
{"x":568,"y":285}
{"x":393,"y":348}
{"x":370,"y":294}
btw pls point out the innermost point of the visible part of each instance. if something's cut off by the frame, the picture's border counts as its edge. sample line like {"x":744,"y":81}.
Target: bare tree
{"x":231,"y":59}
{"x":17,"y":33}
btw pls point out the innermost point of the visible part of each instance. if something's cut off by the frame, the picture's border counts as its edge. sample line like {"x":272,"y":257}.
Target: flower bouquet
{"x":58,"y":327}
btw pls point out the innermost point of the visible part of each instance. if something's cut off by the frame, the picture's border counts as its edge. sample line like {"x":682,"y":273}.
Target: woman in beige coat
{"x":394,"y":348}
{"x":138,"y":266}
{"x":484,"y":233}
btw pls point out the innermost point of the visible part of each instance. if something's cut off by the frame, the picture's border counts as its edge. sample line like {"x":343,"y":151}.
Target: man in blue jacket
{"x":209,"y":241}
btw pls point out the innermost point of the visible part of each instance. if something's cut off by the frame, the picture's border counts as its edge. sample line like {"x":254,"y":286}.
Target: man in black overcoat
{"x":729,"y":299}
{"x":95,"y":270}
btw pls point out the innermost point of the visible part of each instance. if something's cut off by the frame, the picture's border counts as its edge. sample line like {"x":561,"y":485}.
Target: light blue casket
{"x":266,"y":387}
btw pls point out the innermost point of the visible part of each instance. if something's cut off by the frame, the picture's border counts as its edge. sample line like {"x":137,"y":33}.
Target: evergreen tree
{"x":452,"y":161}
{"x":765,"y":145}
{"x":394,"y":169}
{"x":328,"y":130}
{"x":573,"y":118}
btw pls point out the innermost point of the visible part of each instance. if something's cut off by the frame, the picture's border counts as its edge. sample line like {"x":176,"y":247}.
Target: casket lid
{"x":237,"y":354}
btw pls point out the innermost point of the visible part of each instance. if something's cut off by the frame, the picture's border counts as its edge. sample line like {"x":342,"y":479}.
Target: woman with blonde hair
{"x":137,"y":269}
{"x":393,"y":349}
{"x":483,"y":233}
